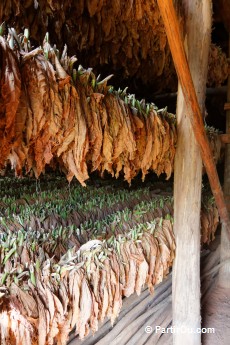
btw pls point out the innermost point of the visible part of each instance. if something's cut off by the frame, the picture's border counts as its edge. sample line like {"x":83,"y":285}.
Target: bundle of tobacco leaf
{"x":215,"y":143}
{"x":70,"y":118}
{"x":219,"y":66}
{"x":54,"y":115}
{"x":128,"y":35}
{"x":60,"y":270}
{"x":10,"y":89}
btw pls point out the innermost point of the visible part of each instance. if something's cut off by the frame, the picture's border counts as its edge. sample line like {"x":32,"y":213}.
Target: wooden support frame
{"x":171,"y":23}
{"x":188,"y":163}
{"x":227,"y":106}
{"x":225,"y":138}
{"x":220,"y":90}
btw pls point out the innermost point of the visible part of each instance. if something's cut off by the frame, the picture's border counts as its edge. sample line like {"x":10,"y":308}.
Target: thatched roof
{"x":122,"y":36}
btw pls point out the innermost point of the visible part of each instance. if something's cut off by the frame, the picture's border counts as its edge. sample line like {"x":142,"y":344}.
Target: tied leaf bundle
{"x":54,"y":115}
{"x":68,"y":257}
{"x":71,"y":119}
{"x":127,"y":35}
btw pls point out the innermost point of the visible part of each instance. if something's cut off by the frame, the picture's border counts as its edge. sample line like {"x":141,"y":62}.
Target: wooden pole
{"x":224,"y":274}
{"x":188,"y":162}
{"x":211,"y":91}
{"x":225,"y":139}
{"x":170,"y":20}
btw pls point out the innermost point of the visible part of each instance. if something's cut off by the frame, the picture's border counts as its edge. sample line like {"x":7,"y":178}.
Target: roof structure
{"x":126,"y":38}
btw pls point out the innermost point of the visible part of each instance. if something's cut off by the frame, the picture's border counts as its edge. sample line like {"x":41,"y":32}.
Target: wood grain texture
{"x":227,"y":106}
{"x":225,"y":138}
{"x":194,"y":113}
{"x":188,"y":162}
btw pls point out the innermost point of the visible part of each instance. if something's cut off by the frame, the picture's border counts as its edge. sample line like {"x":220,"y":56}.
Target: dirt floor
{"x":216,"y":313}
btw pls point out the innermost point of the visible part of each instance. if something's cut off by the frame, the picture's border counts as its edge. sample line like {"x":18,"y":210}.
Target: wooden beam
{"x":188,"y":170}
{"x":225,"y":138}
{"x":210,"y":91}
{"x":171,"y":23}
{"x":227,"y":106}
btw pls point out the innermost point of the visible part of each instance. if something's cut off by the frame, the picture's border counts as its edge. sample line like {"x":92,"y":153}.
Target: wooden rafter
{"x":225,"y":138}
{"x":171,"y":23}
{"x":227,"y":106}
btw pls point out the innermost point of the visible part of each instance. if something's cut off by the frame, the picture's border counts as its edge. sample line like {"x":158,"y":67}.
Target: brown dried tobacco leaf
{"x":74,"y":130}
{"x":94,"y":314}
{"x":204,"y":226}
{"x":165,"y":252}
{"x":75,"y":278}
{"x":80,"y":148}
{"x":27,"y":301}
{"x":107,"y":145}
{"x":120,"y":127}
{"x":22,"y":332}
{"x":64,"y":330}
{"x":146,"y":158}
{"x":25,"y":257}
{"x":119,"y":144}
{"x":48,"y":86}
{"x":141,"y":142}
{"x":59,"y":312}
{"x":18,"y":154}
{"x":63,"y":294}
{"x":10,"y":90}
{"x":164,"y":135}
{"x":94,"y":279}
{"x":167,"y":229}
{"x":53,"y":329}
{"x":41,"y":89}
{"x":216,"y":220}
{"x":84,"y":90}
{"x":65,"y":134}
{"x":149,"y":240}
{"x":131,"y":270}
{"x":127,"y":133}
{"x":122,"y":277}
{"x":109,"y":288}
{"x":112,"y":108}
{"x":130,"y":169}
{"x":104,"y":295}
{"x":117,"y":296}
{"x":142,"y":267}
{"x":95,"y":129}
{"x":209,"y":223}
{"x":158,"y":141}
{"x":5,"y":326}
{"x":93,"y":6}
{"x":85,"y":309}
{"x":159,"y":269}
{"x":42,"y":321}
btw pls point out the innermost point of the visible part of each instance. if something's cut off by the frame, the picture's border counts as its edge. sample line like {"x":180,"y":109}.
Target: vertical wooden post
{"x":175,"y":41}
{"x":224,"y":274}
{"x":188,"y":180}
